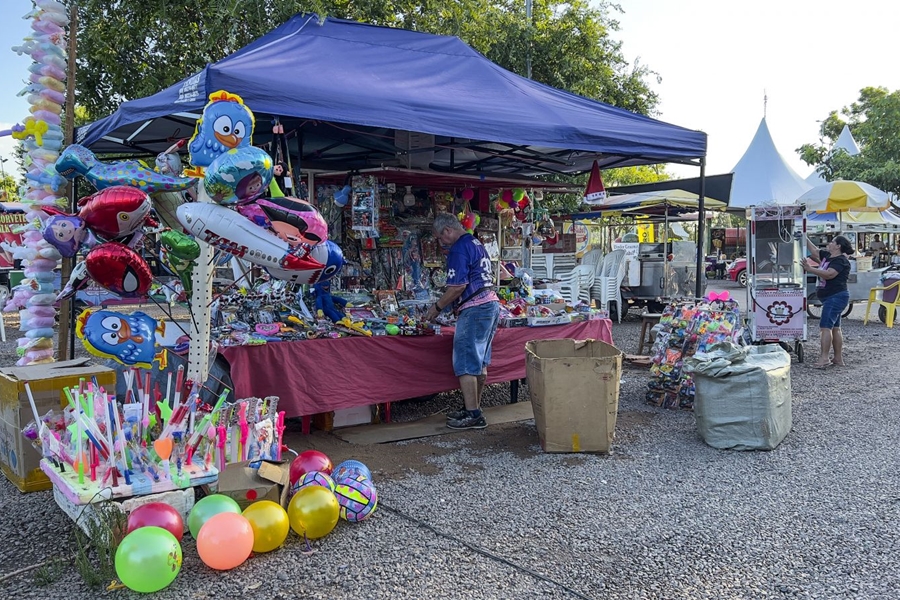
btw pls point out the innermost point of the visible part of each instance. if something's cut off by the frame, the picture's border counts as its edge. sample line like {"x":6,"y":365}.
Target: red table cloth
{"x":316,"y":376}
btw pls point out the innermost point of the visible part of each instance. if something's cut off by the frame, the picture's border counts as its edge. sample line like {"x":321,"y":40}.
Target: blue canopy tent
{"x":360,"y":97}
{"x":348,"y":86}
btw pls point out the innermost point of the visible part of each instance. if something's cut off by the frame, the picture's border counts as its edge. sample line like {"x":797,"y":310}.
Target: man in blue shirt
{"x":470,"y":290}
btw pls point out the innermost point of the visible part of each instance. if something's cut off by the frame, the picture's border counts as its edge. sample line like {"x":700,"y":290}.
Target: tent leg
{"x":701,"y":222}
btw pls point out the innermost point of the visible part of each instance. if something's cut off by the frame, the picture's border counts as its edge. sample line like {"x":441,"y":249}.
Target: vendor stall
{"x":343,"y":266}
{"x":656,"y":271}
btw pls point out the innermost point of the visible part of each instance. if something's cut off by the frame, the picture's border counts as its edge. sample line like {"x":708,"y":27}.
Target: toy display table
{"x":317,"y":376}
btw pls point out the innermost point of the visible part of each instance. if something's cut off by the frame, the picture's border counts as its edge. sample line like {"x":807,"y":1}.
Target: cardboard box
{"x":574,"y":388}
{"x":19,"y":461}
{"x":246,"y":485}
{"x":344,"y":417}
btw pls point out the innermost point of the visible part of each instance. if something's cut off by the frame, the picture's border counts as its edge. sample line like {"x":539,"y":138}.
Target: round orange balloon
{"x":225,"y":541}
{"x":313,"y":511}
{"x":270,"y":525}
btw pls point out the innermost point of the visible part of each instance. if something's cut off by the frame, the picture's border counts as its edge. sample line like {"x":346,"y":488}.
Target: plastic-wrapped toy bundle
{"x":687,"y":328}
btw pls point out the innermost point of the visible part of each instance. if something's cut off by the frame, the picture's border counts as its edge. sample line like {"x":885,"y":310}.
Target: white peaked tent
{"x":762,"y":176}
{"x":844,"y":142}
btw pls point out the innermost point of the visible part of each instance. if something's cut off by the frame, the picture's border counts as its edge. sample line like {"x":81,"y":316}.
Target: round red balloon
{"x":119,"y":269}
{"x":157,"y":514}
{"x":310,"y":460}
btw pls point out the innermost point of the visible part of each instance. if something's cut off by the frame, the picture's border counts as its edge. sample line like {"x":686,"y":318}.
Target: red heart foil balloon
{"x":115,"y":212}
{"x":119,"y":269}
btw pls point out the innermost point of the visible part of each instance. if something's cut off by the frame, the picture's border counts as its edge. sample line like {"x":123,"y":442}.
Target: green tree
{"x":875,"y":122}
{"x":133,"y":48}
{"x":8,"y":189}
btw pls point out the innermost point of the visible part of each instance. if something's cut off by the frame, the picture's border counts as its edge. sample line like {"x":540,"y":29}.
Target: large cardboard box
{"x":574,"y":387}
{"x":19,"y":461}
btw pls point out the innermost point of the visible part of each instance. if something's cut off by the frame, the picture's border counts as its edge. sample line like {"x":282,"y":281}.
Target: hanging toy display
{"x":684,"y":329}
{"x":468,"y":217}
{"x":41,"y":137}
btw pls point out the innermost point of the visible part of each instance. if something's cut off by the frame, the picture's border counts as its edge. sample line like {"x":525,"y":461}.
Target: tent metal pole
{"x":701,"y":221}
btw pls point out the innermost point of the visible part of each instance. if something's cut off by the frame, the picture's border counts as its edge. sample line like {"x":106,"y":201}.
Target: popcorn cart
{"x":776,"y":286}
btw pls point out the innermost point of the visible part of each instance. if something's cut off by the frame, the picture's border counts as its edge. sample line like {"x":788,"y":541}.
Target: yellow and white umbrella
{"x":841,"y":196}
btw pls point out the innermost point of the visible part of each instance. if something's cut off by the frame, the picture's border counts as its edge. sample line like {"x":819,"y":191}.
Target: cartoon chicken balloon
{"x":135,"y":340}
{"x":226,"y":124}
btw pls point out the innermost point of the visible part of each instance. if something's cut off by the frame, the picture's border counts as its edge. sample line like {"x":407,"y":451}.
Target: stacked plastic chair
{"x":608,"y":284}
{"x":577,"y":283}
{"x":539,"y":266}
{"x":562,"y":264}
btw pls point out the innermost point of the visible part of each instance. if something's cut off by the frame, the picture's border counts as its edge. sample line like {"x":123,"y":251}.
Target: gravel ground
{"x":486,"y":514}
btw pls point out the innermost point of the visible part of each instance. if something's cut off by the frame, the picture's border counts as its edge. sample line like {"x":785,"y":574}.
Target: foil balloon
{"x":342,"y":196}
{"x":168,"y":163}
{"x":78,"y":280}
{"x":226,"y":124}
{"x":295,"y":221}
{"x":166,"y":206}
{"x":77,"y":161}
{"x":119,"y":269}
{"x":65,"y":233}
{"x":134,"y":340}
{"x":239,"y":175}
{"x":328,"y":254}
{"x":115,"y":212}
{"x":180,"y":252}
{"x":230,"y":232}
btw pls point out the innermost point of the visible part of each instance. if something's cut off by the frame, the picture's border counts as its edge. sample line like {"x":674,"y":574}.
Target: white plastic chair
{"x":576,"y":284}
{"x":539,"y":266}
{"x":592,"y":257}
{"x":562,"y":264}
{"x":608,"y":285}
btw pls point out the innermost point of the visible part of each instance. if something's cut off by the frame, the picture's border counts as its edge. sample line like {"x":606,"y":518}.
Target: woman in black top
{"x":833,"y":271}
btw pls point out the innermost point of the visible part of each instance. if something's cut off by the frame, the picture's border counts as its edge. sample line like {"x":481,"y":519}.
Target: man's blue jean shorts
{"x":832,"y":308}
{"x":475,"y":329}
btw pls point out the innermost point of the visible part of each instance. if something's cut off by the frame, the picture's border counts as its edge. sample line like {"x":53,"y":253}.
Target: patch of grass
{"x":95,"y":550}
{"x":51,"y":572}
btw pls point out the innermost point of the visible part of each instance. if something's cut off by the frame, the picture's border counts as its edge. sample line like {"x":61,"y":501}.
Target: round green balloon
{"x":148,"y":559}
{"x":209,"y":507}
{"x":391,"y":329}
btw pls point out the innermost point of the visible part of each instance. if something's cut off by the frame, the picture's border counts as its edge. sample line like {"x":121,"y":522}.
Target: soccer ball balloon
{"x":313,"y":478}
{"x":350,"y":468}
{"x":357,"y":498}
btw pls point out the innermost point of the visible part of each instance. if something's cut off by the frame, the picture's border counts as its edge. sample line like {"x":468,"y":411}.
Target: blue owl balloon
{"x":134,"y":340}
{"x":226,"y":124}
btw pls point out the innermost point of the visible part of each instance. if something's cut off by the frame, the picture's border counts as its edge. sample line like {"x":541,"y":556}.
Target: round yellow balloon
{"x":270,"y":525}
{"x":313,"y":511}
